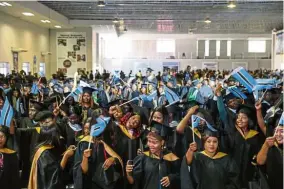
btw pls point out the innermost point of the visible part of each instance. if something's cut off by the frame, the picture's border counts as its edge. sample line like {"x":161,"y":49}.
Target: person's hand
{"x":56,"y":111}
{"x":165,"y":181}
{"x":129,"y":169}
{"x":270,"y":141}
{"x":258,"y":105}
{"x":87,"y":153}
{"x":218,"y":90}
{"x":193,"y":147}
{"x":108,"y":162}
{"x":70,"y":151}
{"x":192,"y":110}
{"x":139,"y":151}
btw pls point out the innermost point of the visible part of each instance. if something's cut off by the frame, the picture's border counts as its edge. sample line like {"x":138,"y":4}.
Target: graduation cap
{"x":40,"y":116}
{"x":229,"y":97}
{"x":88,"y":90}
{"x":149,"y":70}
{"x":195,"y":82}
{"x":37,"y":105}
{"x":161,"y":130}
{"x":281,"y":120}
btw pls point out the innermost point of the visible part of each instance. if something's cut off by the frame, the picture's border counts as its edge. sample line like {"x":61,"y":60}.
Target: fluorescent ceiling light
{"x":28,"y":14}
{"x":231,"y":5}
{"x":207,"y":21}
{"x":57,"y":26}
{"x":115,"y":20}
{"x":5,"y":4}
{"x":45,"y":21}
{"x":101,"y":3}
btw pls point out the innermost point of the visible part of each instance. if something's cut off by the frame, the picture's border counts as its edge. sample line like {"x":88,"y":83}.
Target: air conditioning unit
{"x":45,"y":53}
{"x":18,"y":49}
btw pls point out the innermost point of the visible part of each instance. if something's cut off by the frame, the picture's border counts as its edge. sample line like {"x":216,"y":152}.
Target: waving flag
{"x":7,"y":113}
{"x":236,"y":91}
{"x":83,"y":84}
{"x":76,"y":93}
{"x":195,"y":120}
{"x":281,"y":121}
{"x":244,"y":78}
{"x":34,"y":89}
{"x":266,"y":81}
{"x":98,"y":128}
{"x":171,"y":96}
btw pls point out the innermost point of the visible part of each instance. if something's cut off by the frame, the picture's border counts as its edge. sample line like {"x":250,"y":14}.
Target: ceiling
{"x":179,"y":16}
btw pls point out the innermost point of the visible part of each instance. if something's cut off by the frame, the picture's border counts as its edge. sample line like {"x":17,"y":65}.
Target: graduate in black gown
{"x":27,"y":134}
{"x":271,"y":155}
{"x":157,"y":168}
{"x":96,"y":165}
{"x":47,"y":171}
{"x":209,"y":168}
{"x":9,"y":166}
{"x":243,"y":143}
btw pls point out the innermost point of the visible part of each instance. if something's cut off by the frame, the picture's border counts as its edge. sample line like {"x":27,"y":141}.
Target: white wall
{"x":21,"y":34}
{"x":141,"y":64}
{"x":188,"y":44}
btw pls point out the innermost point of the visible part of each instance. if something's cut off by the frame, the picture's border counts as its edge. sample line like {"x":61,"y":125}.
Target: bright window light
{"x":218,"y":48}
{"x":117,"y":48}
{"x":207,"y":48}
{"x":255,"y":46}
{"x":229,"y":48}
{"x":4,"y":68}
{"x":26,"y":67}
{"x":166,"y":45}
{"x":42,"y":67}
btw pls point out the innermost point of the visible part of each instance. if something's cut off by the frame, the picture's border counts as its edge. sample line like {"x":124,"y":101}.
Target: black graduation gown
{"x":48,"y":170}
{"x":96,"y":178}
{"x":27,"y":140}
{"x":9,"y":174}
{"x":218,"y":172}
{"x":148,"y":171}
{"x":274,"y":167}
{"x":184,"y":140}
{"x":243,"y":150}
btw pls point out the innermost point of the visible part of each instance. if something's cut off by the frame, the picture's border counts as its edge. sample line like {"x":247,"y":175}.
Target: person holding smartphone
{"x":158,"y":167}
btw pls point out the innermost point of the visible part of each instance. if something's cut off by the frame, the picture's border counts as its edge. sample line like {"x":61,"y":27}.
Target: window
{"x":42,"y":67}
{"x":164,"y":45}
{"x":4,"y":68}
{"x":26,"y":67}
{"x":255,"y":46}
{"x":229,"y":47}
{"x":218,"y":48}
{"x":207,"y":48}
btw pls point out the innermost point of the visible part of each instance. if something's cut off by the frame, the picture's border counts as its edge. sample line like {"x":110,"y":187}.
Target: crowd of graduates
{"x":192,"y":129}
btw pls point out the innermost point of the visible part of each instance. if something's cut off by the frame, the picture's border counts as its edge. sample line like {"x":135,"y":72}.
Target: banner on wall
{"x":71,"y":51}
{"x":15,"y":61}
{"x":171,"y":65}
{"x":279,"y":46}
{"x":210,"y":65}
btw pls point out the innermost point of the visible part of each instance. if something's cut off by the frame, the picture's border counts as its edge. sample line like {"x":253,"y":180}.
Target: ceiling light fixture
{"x":101,"y":3}
{"x":231,"y":5}
{"x":115,"y":20}
{"x":57,"y":26}
{"x":28,"y":14}
{"x":207,"y":21}
{"x":45,"y":21}
{"x":5,"y":4}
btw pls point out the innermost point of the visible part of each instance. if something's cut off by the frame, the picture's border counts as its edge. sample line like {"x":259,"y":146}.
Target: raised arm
{"x":259,"y":116}
{"x":184,"y":122}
